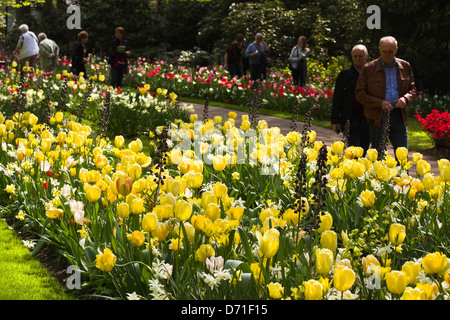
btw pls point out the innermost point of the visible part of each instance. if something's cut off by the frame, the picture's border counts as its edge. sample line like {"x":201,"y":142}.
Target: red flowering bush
{"x":438,"y":125}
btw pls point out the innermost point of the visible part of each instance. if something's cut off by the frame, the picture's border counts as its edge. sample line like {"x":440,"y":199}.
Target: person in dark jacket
{"x":345,"y":109}
{"x":118,"y":58}
{"x":79,"y":58}
{"x":386,"y":87}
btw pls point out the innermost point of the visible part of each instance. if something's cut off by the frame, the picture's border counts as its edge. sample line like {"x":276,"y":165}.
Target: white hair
{"x":361,"y":47}
{"x":389,"y":39}
{"x":258,"y":35}
{"x":23,"y":28}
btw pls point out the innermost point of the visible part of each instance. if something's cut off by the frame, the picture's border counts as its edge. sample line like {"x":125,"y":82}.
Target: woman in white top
{"x":27,"y":46}
{"x":298,"y":57}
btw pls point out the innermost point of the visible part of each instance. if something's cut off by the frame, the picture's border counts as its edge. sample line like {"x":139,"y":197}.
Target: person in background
{"x":345,"y":108}
{"x":27,"y":47}
{"x":298,"y":57}
{"x":387,"y":85}
{"x":48,"y":53}
{"x":118,"y":58}
{"x":233,"y":60}
{"x":256,"y":52}
{"x":79,"y":58}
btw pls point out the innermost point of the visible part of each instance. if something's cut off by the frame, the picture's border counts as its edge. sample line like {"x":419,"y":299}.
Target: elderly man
{"x":48,"y":52}
{"x":387,"y":85}
{"x":345,"y":109}
{"x":27,"y":46}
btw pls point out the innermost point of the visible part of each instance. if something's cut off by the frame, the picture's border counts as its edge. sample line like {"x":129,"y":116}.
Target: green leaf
{"x":245,"y":244}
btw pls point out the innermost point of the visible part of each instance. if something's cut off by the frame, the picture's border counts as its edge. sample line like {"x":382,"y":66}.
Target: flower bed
{"x":216,"y":214}
{"x":437,"y":124}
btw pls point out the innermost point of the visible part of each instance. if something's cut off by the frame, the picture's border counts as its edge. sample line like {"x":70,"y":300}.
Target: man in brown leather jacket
{"x":387,"y":85}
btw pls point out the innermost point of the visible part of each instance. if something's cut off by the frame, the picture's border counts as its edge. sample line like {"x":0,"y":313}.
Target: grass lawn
{"x":23,"y":277}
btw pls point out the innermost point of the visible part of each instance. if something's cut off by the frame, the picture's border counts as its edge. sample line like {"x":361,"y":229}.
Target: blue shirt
{"x":391,"y":81}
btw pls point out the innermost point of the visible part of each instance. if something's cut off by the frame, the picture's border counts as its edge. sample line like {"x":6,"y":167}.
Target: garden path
{"x":327,"y":136}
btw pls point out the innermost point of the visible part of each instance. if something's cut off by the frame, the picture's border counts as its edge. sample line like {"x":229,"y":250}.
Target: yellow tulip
{"x":219,"y":163}
{"x":93,"y":193}
{"x":136,"y":238}
{"x":134,"y":171}
{"x":105,"y":261}
{"x":183,"y":210}
{"x":428,"y":182}
{"x":337,"y":147}
{"x":434,"y":262}
{"x":397,"y":233}
{"x":136,"y":146}
{"x":124,"y":185}
{"x":417,"y":157}
{"x":423,"y":167}
{"x":269,"y":242}
{"x":324,"y":260}
{"x":212,"y":211}
{"x":194,"y":180}
{"x":54,"y":213}
{"x":235,"y":213}
{"x":328,"y":240}
{"x":369,"y":262}
{"x":430,"y":289}
{"x":396,"y":281}
{"x":174,"y":186}
{"x":161,"y":231}
{"x":344,"y":277}
{"x":276,"y":290}
{"x":326,"y":222}
{"x":401,"y":153}
{"x":291,"y":217}
{"x":412,"y":270}
{"x":220,"y":190}
{"x":372,"y":154}
{"x":136,"y":204}
{"x":149,"y":222}
{"x":313,"y":290}
{"x":337,"y":173}
{"x":367,"y":198}
{"x":413,"y":294}
{"x":207,"y":197}
{"x":203,"y":252}
{"x":123,"y":210}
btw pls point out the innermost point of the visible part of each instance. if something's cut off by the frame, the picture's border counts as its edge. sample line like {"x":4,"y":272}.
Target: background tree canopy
{"x":161,"y":29}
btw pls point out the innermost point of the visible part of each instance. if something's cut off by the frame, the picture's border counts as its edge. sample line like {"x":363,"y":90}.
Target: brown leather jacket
{"x":371,"y":89}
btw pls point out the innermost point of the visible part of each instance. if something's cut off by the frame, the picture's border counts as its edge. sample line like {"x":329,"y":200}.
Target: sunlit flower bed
{"x":128,"y":111}
{"x":220,"y":212}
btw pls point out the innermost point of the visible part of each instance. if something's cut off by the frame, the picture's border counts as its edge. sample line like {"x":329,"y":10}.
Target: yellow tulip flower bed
{"x":221,"y":212}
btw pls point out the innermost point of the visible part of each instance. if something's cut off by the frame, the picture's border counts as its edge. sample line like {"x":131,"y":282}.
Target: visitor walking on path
{"x":347,"y":113}
{"x":386,"y":87}
{"x":79,"y":58}
{"x":256,"y":52}
{"x":234,"y":57}
{"x":118,"y":58}
{"x":48,"y":53}
{"x":27,"y":47}
{"x":298,"y":59}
